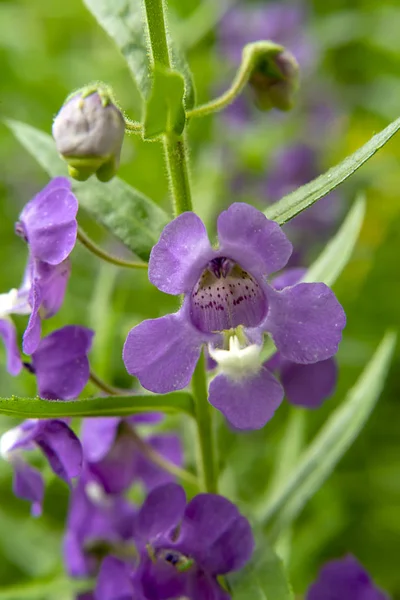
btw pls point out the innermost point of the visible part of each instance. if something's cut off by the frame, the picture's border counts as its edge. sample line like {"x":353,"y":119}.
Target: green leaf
{"x":164,"y":110}
{"x":320,"y":458}
{"x":338,"y":251}
{"x":107,"y":406}
{"x":124,"y":21}
{"x":125,"y":212}
{"x":48,"y":587}
{"x":264,"y":579}
{"x":292,"y":204}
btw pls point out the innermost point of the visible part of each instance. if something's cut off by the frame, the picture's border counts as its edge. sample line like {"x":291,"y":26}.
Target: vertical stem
{"x":176,"y":157}
{"x":207,"y":465}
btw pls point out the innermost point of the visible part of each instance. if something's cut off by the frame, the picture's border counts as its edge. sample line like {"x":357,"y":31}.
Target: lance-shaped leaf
{"x":124,"y":21}
{"x":264,"y":578}
{"x":107,"y":406}
{"x":320,"y":458}
{"x":292,"y":204}
{"x":336,"y":254}
{"x":164,"y":111}
{"x":125,"y":212}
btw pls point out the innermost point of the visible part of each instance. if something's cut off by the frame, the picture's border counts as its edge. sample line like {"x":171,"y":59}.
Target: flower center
{"x":225,"y":297}
{"x":238,"y":362}
{"x":176,"y":559}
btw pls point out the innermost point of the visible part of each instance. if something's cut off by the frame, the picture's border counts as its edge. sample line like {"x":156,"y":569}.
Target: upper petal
{"x":175,"y":260}
{"x":61,"y":447}
{"x":248,"y":237}
{"x":306,"y":322}
{"x":49,"y":222}
{"x":309,"y":385}
{"x":97,"y":436}
{"x":288,"y":277}
{"x":161,"y":512}
{"x":248,"y":403}
{"x":162,"y":353}
{"x":231,"y":550}
{"x":8,"y":333}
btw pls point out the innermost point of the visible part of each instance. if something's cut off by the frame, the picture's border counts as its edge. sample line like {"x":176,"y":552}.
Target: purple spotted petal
{"x":182,"y":250}
{"x":61,"y":364}
{"x":162,"y":353}
{"x":8,"y":333}
{"x":288,"y":278}
{"x":249,"y":403}
{"x":114,"y":581}
{"x":97,"y":436}
{"x":248,"y":237}
{"x":48,"y":222}
{"x":170,"y":447}
{"x":216,"y":534}
{"x":309,"y":385}
{"x":61,"y":447}
{"x":161,"y":512}
{"x":306,"y":322}
{"x":344,"y":579}
{"x":28,"y":485}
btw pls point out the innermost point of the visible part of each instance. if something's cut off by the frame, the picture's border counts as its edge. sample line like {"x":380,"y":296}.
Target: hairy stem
{"x":207,"y":462}
{"x":86,"y":241}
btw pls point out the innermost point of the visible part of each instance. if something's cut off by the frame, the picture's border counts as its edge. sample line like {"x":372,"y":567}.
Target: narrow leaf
{"x":107,"y":406}
{"x":125,"y":212}
{"x":164,"y":111}
{"x":264,"y":579}
{"x":338,"y":251}
{"x":337,"y":435}
{"x":292,"y":204}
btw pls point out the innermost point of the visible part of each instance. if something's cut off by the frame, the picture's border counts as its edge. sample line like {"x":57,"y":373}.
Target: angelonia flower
{"x":62,"y":370}
{"x":48,"y":224}
{"x":183,"y":548}
{"x":344,"y":579}
{"x":274,"y":80}
{"x":228,"y":306}
{"x":14,"y":302}
{"x":88,"y":131}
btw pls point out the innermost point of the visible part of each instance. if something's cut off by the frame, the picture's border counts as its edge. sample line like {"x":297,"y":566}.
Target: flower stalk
{"x":86,"y":241}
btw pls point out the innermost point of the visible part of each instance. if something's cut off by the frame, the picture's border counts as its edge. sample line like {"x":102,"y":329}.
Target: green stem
{"x":106,"y":387}
{"x":178,"y":173}
{"x":133,"y":126}
{"x":207,"y":463}
{"x":157,"y":31}
{"x":86,"y":241}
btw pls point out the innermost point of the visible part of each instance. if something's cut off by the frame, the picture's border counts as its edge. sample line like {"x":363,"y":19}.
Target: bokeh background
{"x":349,"y":54}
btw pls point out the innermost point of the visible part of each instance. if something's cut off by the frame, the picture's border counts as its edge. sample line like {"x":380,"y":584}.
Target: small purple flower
{"x":60,"y":362}
{"x":185,"y":547}
{"x":96,"y":523}
{"x":344,"y":579}
{"x":48,"y":222}
{"x":229,"y":305}
{"x":59,"y":445}
{"x":114,"y":459}
{"x":116,"y":581}
{"x":15,"y":302}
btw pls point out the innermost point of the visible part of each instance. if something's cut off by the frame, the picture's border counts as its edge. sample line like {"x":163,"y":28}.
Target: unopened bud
{"x":89,"y":131}
{"x":275,"y":80}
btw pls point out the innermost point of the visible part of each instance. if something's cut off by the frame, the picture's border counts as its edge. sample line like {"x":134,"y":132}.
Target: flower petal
{"x":232,"y":550}
{"x":288,"y":277}
{"x":114,"y":582}
{"x":52,"y":281}
{"x":306,"y":322}
{"x":28,"y":484}
{"x":31,"y":337}
{"x":309,"y":385}
{"x":161,"y":512}
{"x":8,"y":333}
{"x":162,"y":353}
{"x":183,"y":248}
{"x":49,"y":222}
{"x":248,"y":237}
{"x":344,"y":579}
{"x":61,"y":447}
{"x":97,"y":436}
{"x":61,"y":363}
{"x":170,"y":448}
{"x":249,"y":403}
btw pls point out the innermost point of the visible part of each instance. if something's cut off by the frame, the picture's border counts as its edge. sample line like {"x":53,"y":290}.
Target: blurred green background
{"x":48,"y":49}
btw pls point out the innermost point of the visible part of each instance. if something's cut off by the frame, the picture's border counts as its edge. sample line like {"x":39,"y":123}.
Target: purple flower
{"x":14,"y":302}
{"x":229,"y":305}
{"x":48,"y":222}
{"x":59,"y":445}
{"x":115,"y":460}
{"x":185,"y":547}
{"x":344,"y":579}
{"x":97,"y":523}
{"x":116,"y":581}
{"x":60,"y":362}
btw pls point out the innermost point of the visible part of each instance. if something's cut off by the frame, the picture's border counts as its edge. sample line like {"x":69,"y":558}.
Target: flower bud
{"x":274,"y":80}
{"x":89,"y":131}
